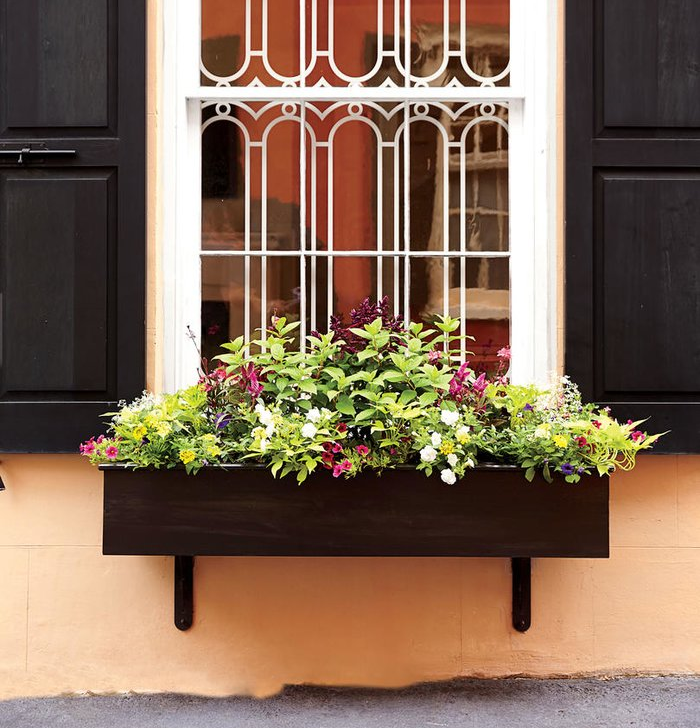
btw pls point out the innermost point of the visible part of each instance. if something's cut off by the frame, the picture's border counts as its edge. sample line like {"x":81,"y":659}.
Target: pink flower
{"x":504,"y":353}
{"x":100,"y":439}
{"x":337,"y":471}
{"x":434,"y":356}
{"x":596,"y":424}
{"x":111,"y":451}
{"x":88,"y":448}
{"x":362,"y":450}
{"x":342,"y":427}
{"x":638,"y":436}
{"x":393,"y":451}
{"x":336,"y":447}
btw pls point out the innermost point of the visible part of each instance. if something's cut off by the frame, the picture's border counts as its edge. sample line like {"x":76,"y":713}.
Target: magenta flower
{"x":638,"y":436}
{"x":342,"y":427}
{"x":362,"y":450}
{"x":337,"y":471}
{"x":434,"y":356}
{"x":336,"y":447}
{"x":504,"y":353}
{"x":88,"y":448}
{"x":111,"y":451}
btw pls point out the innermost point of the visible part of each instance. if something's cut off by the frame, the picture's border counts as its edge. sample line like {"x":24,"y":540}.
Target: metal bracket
{"x":184,"y":592}
{"x":522,"y":611}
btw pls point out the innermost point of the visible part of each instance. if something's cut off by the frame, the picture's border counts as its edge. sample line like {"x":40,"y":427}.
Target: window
{"x":322,"y":151}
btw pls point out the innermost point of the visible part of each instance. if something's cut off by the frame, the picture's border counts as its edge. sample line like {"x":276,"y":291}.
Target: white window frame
{"x":533,"y":183}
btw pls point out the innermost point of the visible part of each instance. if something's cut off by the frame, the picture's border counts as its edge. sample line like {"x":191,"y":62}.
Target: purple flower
{"x":567,"y":469}
{"x":221,"y":420}
{"x":528,"y":407}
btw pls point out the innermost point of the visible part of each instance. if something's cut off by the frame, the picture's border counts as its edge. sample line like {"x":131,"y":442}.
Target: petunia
{"x":111,"y":451}
{"x":436,"y":439}
{"x":428,"y":454}
{"x":567,"y":469}
{"x":308,"y":430}
{"x":448,"y":476}
{"x":313,"y":415}
{"x":362,"y":450}
{"x":449,"y":417}
{"x":452,"y":460}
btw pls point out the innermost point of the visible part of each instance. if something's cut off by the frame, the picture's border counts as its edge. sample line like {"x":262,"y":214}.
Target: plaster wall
{"x":72,"y":620}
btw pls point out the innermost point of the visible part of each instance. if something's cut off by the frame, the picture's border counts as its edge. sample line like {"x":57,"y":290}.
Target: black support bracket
{"x":184,"y":592}
{"x":522,"y":615}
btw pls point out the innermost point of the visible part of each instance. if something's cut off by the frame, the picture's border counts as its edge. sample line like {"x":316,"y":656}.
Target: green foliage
{"x":371,"y":396}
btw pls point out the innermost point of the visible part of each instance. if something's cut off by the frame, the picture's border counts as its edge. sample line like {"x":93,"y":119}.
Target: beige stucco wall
{"x":73,"y":620}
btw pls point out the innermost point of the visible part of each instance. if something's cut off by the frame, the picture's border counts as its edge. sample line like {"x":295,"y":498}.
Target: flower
{"x":567,"y":469}
{"x":448,"y":476}
{"x":87,"y":448}
{"x":581,"y":441}
{"x":543,"y":430}
{"x":313,"y":415}
{"x":463,"y":435}
{"x":560,"y":440}
{"x":428,"y":454}
{"x":111,"y":451}
{"x":139,"y":432}
{"x":308,"y":430}
{"x":187,"y":456}
{"x":345,"y":466}
{"x":436,"y":439}
{"x":342,"y":427}
{"x":213,"y":451}
{"x":221,"y":420}
{"x":362,"y":450}
{"x":449,"y":417}
{"x":263,"y":445}
{"x":528,"y":407}
{"x":452,"y":460}
{"x":638,"y":436}
{"x":336,"y":447}
{"x":163,"y":429}
{"x":504,"y":353}
{"x":446,"y":448}
{"x":266,"y":417}
{"x":469,"y":463}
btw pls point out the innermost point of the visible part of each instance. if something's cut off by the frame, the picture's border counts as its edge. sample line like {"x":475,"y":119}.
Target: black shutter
{"x":633,"y":210}
{"x":72,"y":225}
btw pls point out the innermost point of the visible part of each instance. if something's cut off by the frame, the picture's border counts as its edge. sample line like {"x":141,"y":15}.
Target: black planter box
{"x":244,"y":511}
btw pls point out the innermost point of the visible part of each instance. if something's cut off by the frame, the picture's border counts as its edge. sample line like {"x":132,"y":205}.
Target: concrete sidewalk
{"x":513,"y":703}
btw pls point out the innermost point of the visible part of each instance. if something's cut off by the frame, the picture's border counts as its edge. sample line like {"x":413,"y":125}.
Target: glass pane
{"x":250,"y":172}
{"x":355,"y":42}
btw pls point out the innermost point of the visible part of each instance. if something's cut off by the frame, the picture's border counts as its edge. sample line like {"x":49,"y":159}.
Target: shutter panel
{"x":72,"y":224}
{"x":633,"y":210}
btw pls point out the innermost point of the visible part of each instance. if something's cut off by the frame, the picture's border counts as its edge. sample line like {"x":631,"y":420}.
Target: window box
{"x":244,"y":511}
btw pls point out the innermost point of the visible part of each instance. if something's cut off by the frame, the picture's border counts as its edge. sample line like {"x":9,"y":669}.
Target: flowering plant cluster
{"x":370,"y":394}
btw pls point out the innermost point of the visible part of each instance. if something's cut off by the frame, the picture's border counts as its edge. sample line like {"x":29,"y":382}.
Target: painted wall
{"x":72,"y":620}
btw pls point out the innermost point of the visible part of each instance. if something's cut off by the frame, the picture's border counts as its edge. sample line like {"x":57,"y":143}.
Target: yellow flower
{"x":213,"y":451}
{"x":259,"y":433}
{"x":163,"y":429}
{"x":151,"y":420}
{"x":139,"y":432}
{"x":187,"y":456}
{"x":463,"y":435}
{"x":209,"y":438}
{"x":446,"y":448}
{"x":560,"y":440}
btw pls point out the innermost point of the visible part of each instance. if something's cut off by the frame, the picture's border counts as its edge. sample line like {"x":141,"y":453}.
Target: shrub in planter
{"x":370,"y":395}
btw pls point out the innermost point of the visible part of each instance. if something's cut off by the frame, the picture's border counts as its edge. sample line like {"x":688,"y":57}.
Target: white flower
{"x":264,"y":415}
{"x":542,"y":432}
{"x":269,"y":431}
{"x":263,"y":445}
{"x":308,"y":430}
{"x":469,"y":463}
{"x":447,"y":476}
{"x":452,"y":460}
{"x":449,"y":417}
{"x":313,"y":415}
{"x":428,"y":454}
{"x":436,"y":439}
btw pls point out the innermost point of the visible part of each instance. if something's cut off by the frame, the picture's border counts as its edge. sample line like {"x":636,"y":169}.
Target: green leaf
{"x":530,"y":474}
{"x":367,"y":354}
{"x":308,"y":385}
{"x":408,"y":395}
{"x":344,"y":405}
{"x":365,"y":414}
{"x":427,"y":398}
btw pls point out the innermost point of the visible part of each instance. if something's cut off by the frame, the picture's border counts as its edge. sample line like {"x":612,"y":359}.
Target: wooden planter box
{"x":244,"y":511}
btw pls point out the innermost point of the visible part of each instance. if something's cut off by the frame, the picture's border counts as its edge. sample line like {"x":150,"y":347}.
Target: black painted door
{"x":633,"y":210}
{"x":72,"y":216}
